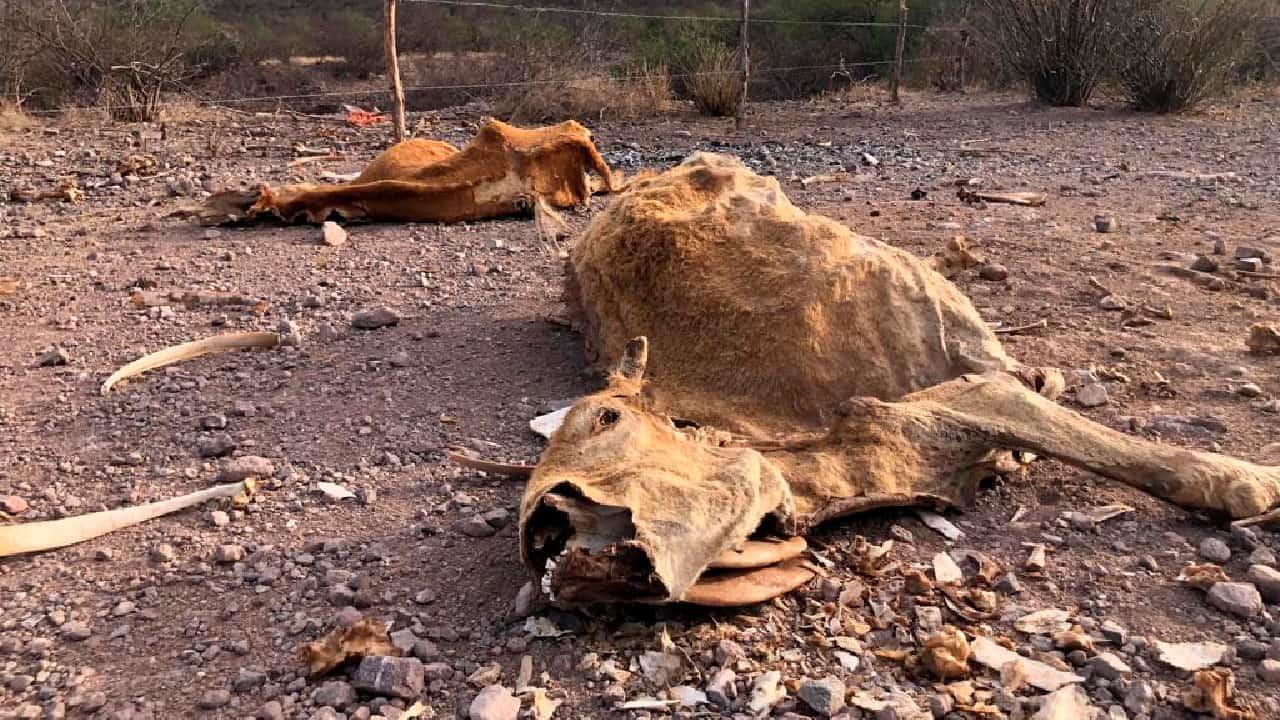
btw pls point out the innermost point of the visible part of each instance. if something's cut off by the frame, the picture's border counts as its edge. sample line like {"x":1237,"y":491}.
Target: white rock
{"x":1190,"y":656}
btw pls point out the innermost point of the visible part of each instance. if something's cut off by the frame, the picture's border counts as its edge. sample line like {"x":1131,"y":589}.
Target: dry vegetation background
{"x":132,"y":56}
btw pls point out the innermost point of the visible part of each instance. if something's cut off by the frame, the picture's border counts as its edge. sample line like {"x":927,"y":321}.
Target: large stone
{"x":1269,"y":670}
{"x":390,"y":676}
{"x":1236,"y":598}
{"x":12,"y":504}
{"x":825,"y":696}
{"x":1109,"y":666}
{"x":494,"y":703}
{"x":214,"y":699}
{"x":1140,"y":699}
{"x":1267,"y":580}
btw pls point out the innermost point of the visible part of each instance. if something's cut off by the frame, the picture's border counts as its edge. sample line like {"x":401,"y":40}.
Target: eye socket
{"x":607,"y":417}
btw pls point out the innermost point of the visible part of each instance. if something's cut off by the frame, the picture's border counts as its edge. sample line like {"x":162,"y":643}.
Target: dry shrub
{"x":1060,"y":48}
{"x":713,"y":79}
{"x":1176,"y":54}
{"x":594,"y":96}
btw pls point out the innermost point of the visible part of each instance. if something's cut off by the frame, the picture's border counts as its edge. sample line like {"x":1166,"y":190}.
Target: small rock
{"x":1109,"y":666}
{"x":214,"y":699}
{"x":494,"y":703}
{"x":993,"y":272}
{"x":1250,"y":649}
{"x":13,"y":505}
{"x":228,"y":554}
{"x":271,"y":710}
{"x":1140,"y":699}
{"x":1246,"y":251}
{"x":475,"y":526}
{"x":401,"y":677}
{"x":1267,"y":580}
{"x":219,"y":518}
{"x":76,"y":630}
{"x":526,"y":600}
{"x":244,"y":467}
{"x":1269,"y":670}
{"x":1250,"y":390}
{"x":215,"y":446}
{"x":1105,"y":224}
{"x":1092,"y":395}
{"x":332,"y":234}
{"x":248,"y":679}
{"x":1205,"y":264}
{"x":766,"y":691}
{"x":55,"y":357}
{"x":335,"y":694}
{"x":497,"y":518}
{"x":721,"y":689}
{"x":1114,"y":632}
{"x":1250,"y":264}
{"x":1214,"y":550}
{"x":689,"y":697}
{"x":1237,"y":598}
{"x":163,"y":553}
{"x":870,"y":160}
{"x":425,"y":597}
{"x":1111,"y":302}
{"x":728,"y":653}
{"x":825,"y":696}
{"x":1262,"y":556}
{"x":376,"y":318}
{"x":941,"y":704}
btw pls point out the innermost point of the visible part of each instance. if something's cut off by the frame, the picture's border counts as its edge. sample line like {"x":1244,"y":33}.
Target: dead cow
{"x":505,"y":170}
{"x":793,"y":372}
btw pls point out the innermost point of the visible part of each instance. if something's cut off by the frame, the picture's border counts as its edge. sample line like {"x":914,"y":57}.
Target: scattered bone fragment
{"x":1037,"y":674}
{"x":368,"y":637}
{"x":939,"y":524}
{"x":50,"y":534}
{"x":1043,"y":622}
{"x":196,"y":298}
{"x":188,"y":351}
{"x":1030,"y":199}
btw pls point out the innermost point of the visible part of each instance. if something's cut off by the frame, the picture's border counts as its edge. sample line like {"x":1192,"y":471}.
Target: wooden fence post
{"x":897,"y":53}
{"x":393,"y":68}
{"x":744,"y":53}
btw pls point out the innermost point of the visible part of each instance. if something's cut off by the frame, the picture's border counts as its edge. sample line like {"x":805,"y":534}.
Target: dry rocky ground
{"x":201,"y":614}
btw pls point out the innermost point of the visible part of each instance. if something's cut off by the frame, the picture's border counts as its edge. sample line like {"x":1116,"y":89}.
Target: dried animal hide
{"x":849,"y":373}
{"x":504,"y":171}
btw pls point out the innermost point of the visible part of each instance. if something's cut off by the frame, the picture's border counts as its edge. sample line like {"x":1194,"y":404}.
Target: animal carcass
{"x":505,"y":170}
{"x":773,"y":370}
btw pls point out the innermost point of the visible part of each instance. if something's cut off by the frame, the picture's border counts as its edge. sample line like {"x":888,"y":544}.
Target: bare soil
{"x":476,"y":355}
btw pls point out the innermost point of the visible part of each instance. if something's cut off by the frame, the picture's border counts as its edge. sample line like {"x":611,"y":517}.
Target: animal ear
{"x":634,"y":359}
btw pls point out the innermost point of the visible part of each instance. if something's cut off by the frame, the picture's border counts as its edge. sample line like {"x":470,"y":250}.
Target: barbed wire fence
{"x":396,"y":90}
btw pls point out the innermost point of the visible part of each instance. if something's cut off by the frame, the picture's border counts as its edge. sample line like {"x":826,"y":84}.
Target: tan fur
{"x":503,"y":171}
{"x":861,"y":377}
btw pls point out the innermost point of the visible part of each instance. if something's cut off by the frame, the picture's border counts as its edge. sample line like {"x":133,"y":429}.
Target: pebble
{"x":163,"y":553}
{"x":376,"y":318}
{"x":13,"y":505}
{"x":721,"y":687}
{"x":1205,"y":264}
{"x":335,"y":694}
{"x":1267,"y":580}
{"x":332,"y":234}
{"x":214,"y":699}
{"x":475,"y":526}
{"x":219,"y":518}
{"x":401,"y":677}
{"x":1140,"y":698}
{"x":425,"y":597}
{"x":76,"y":630}
{"x":1092,"y":395}
{"x":55,"y":357}
{"x":244,"y":467}
{"x":1214,"y":550}
{"x":1105,"y":223}
{"x":993,"y":272}
{"x":271,"y":710}
{"x":494,"y":703}
{"x":1237,"y":598}
{"x":825,"y":695}
{"x":215,"y":446}
{"x":228,"y":554}
{"x":1250,"y":390}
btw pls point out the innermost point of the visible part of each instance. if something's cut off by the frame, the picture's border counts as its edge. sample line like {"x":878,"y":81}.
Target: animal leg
{"x":1001,"y":411}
